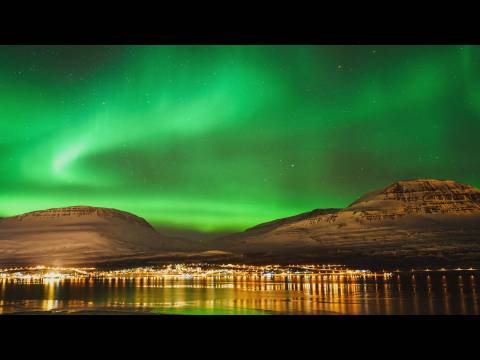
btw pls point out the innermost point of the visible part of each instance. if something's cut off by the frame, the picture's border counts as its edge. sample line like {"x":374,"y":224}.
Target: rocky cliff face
{"x":78,"y":214}
{"x":421,"y":220}
{"x":420,"y":197}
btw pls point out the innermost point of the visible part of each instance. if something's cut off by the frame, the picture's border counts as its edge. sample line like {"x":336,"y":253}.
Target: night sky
{"x":219,"y":138}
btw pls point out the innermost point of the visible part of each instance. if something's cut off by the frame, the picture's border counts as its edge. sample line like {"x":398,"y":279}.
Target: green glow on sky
{"x":225,"y":137}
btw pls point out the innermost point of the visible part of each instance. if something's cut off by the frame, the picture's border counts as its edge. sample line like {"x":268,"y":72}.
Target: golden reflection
{"x":446,"y":303}
{"x":415,"y":296}
{"x":271,"y":290}
{"x":49,"y":303}
{"x":430,"y":296}
{"x":400,"y":297}
{"x":463,"y":309}
{"x":387,"y":295}
{"x":474,"y":295}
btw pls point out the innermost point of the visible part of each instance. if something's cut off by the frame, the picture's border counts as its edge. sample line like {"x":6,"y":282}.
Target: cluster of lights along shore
{"x":184,"y":271}
{"x":201,"y":270}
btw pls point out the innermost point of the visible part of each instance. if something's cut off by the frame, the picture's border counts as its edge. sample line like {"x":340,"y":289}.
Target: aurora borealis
{"x":225,"y":137}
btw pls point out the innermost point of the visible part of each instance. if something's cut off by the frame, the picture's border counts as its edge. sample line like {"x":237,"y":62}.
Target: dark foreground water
{"x":421,"y":293}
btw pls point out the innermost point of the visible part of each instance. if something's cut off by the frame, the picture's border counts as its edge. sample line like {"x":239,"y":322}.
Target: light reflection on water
{"x":436,"y":293}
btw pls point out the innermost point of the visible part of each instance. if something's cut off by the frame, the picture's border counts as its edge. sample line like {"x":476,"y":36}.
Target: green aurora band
{"x":218,"y":138}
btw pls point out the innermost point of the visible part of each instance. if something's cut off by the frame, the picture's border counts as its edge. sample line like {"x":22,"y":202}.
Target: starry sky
{"x":220,"y":138}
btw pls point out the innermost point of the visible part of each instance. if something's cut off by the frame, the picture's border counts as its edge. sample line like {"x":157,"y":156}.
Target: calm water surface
{"x":421,"y":293}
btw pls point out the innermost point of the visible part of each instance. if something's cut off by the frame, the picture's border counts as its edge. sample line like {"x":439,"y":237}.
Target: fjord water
{"x":434,"y":293}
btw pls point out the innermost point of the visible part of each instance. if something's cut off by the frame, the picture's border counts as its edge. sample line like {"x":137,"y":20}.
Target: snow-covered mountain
{"x":412,"y":221}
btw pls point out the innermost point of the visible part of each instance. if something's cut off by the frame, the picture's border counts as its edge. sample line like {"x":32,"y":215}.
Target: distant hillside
{"x":408,"y":222}
{"x":77,"y":234}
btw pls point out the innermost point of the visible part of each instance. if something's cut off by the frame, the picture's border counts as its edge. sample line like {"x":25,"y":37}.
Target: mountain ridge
{"x":404,"y":221}
{"x":75,"y":234}
{"x":79,"y":211}
{"x":421,"y":221}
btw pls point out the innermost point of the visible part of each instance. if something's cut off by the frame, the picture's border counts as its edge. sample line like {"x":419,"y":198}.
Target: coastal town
{"x":185,"y":271}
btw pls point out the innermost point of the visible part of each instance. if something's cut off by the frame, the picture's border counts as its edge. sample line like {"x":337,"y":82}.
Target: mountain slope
{"x":413,"y":221}
{"x":77,"y":234}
